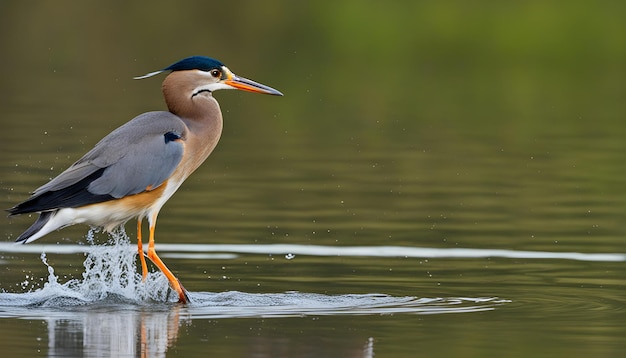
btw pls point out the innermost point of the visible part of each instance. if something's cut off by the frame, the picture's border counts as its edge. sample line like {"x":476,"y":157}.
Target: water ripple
{"x":234,"y":304}
{"x":111,"y":279}
{"x":207,"y":251}
{"x":290,"y":304}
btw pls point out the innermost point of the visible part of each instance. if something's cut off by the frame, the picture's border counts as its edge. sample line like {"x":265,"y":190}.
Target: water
{"x":438,"y":180}
{"x":107,"y":310}
{"x":110,"y":311}
{"x":110,"y":276}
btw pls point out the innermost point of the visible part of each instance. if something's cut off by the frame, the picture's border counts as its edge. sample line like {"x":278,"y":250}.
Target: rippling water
{"x":105,"y":308}
{"x":111,"y":277}
{"x":110,"y":310}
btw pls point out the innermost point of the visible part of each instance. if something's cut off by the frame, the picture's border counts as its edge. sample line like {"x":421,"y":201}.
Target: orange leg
{"x":144,"y":267}
{"x":174,"y":282}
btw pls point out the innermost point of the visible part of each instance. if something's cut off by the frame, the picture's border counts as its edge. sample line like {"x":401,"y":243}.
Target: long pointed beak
{"x":249,"y":85}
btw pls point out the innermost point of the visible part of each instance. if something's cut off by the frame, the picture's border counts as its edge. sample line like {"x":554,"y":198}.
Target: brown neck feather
{"x":201,"y":113}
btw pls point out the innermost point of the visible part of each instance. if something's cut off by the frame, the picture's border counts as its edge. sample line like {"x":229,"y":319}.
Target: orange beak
{"x":245,"y":84}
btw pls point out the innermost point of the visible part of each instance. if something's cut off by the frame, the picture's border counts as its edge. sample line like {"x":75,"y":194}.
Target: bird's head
{"x":211,"y":75}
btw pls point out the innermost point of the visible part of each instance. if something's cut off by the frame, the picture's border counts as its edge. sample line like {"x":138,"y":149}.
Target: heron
{"x":136,"y":168}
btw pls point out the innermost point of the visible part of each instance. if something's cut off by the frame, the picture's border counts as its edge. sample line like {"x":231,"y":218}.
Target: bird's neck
{"x":200,"y":113}
{"x":200,"y":109}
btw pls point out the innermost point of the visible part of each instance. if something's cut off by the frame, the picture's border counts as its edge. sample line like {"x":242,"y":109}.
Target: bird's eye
{"x":216,"y":73}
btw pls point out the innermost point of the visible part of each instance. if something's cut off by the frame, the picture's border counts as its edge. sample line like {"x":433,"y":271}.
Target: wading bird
{"x":135,"y":169}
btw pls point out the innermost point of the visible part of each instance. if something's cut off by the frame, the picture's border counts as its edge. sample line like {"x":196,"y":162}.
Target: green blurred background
{"x":386,"y":104}
{"x":368,"y":66}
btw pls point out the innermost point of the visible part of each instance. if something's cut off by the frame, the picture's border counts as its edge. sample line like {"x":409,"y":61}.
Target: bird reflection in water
{"x":115,"y":332}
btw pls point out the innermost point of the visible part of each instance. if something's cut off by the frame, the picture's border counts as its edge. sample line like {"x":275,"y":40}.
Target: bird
{"x":136,"y":168}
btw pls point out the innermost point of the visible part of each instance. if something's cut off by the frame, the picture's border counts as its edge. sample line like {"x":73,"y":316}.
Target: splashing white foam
{"x":110,"y":275}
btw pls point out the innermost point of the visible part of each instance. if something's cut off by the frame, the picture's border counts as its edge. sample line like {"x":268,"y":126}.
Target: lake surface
{"x":437,"y":181}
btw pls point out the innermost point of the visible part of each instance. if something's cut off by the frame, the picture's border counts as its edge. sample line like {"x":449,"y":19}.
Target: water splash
{"x":110,"y":275}
{"x":111,"y":279}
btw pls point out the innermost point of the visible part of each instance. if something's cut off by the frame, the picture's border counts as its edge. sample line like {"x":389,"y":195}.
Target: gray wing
{"x":141,"y":154}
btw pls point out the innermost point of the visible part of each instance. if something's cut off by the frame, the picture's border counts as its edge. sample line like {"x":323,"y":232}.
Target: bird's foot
{"x":183,"y":297}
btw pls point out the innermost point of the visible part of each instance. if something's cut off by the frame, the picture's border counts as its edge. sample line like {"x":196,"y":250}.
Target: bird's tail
{"x":31,"y":233}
